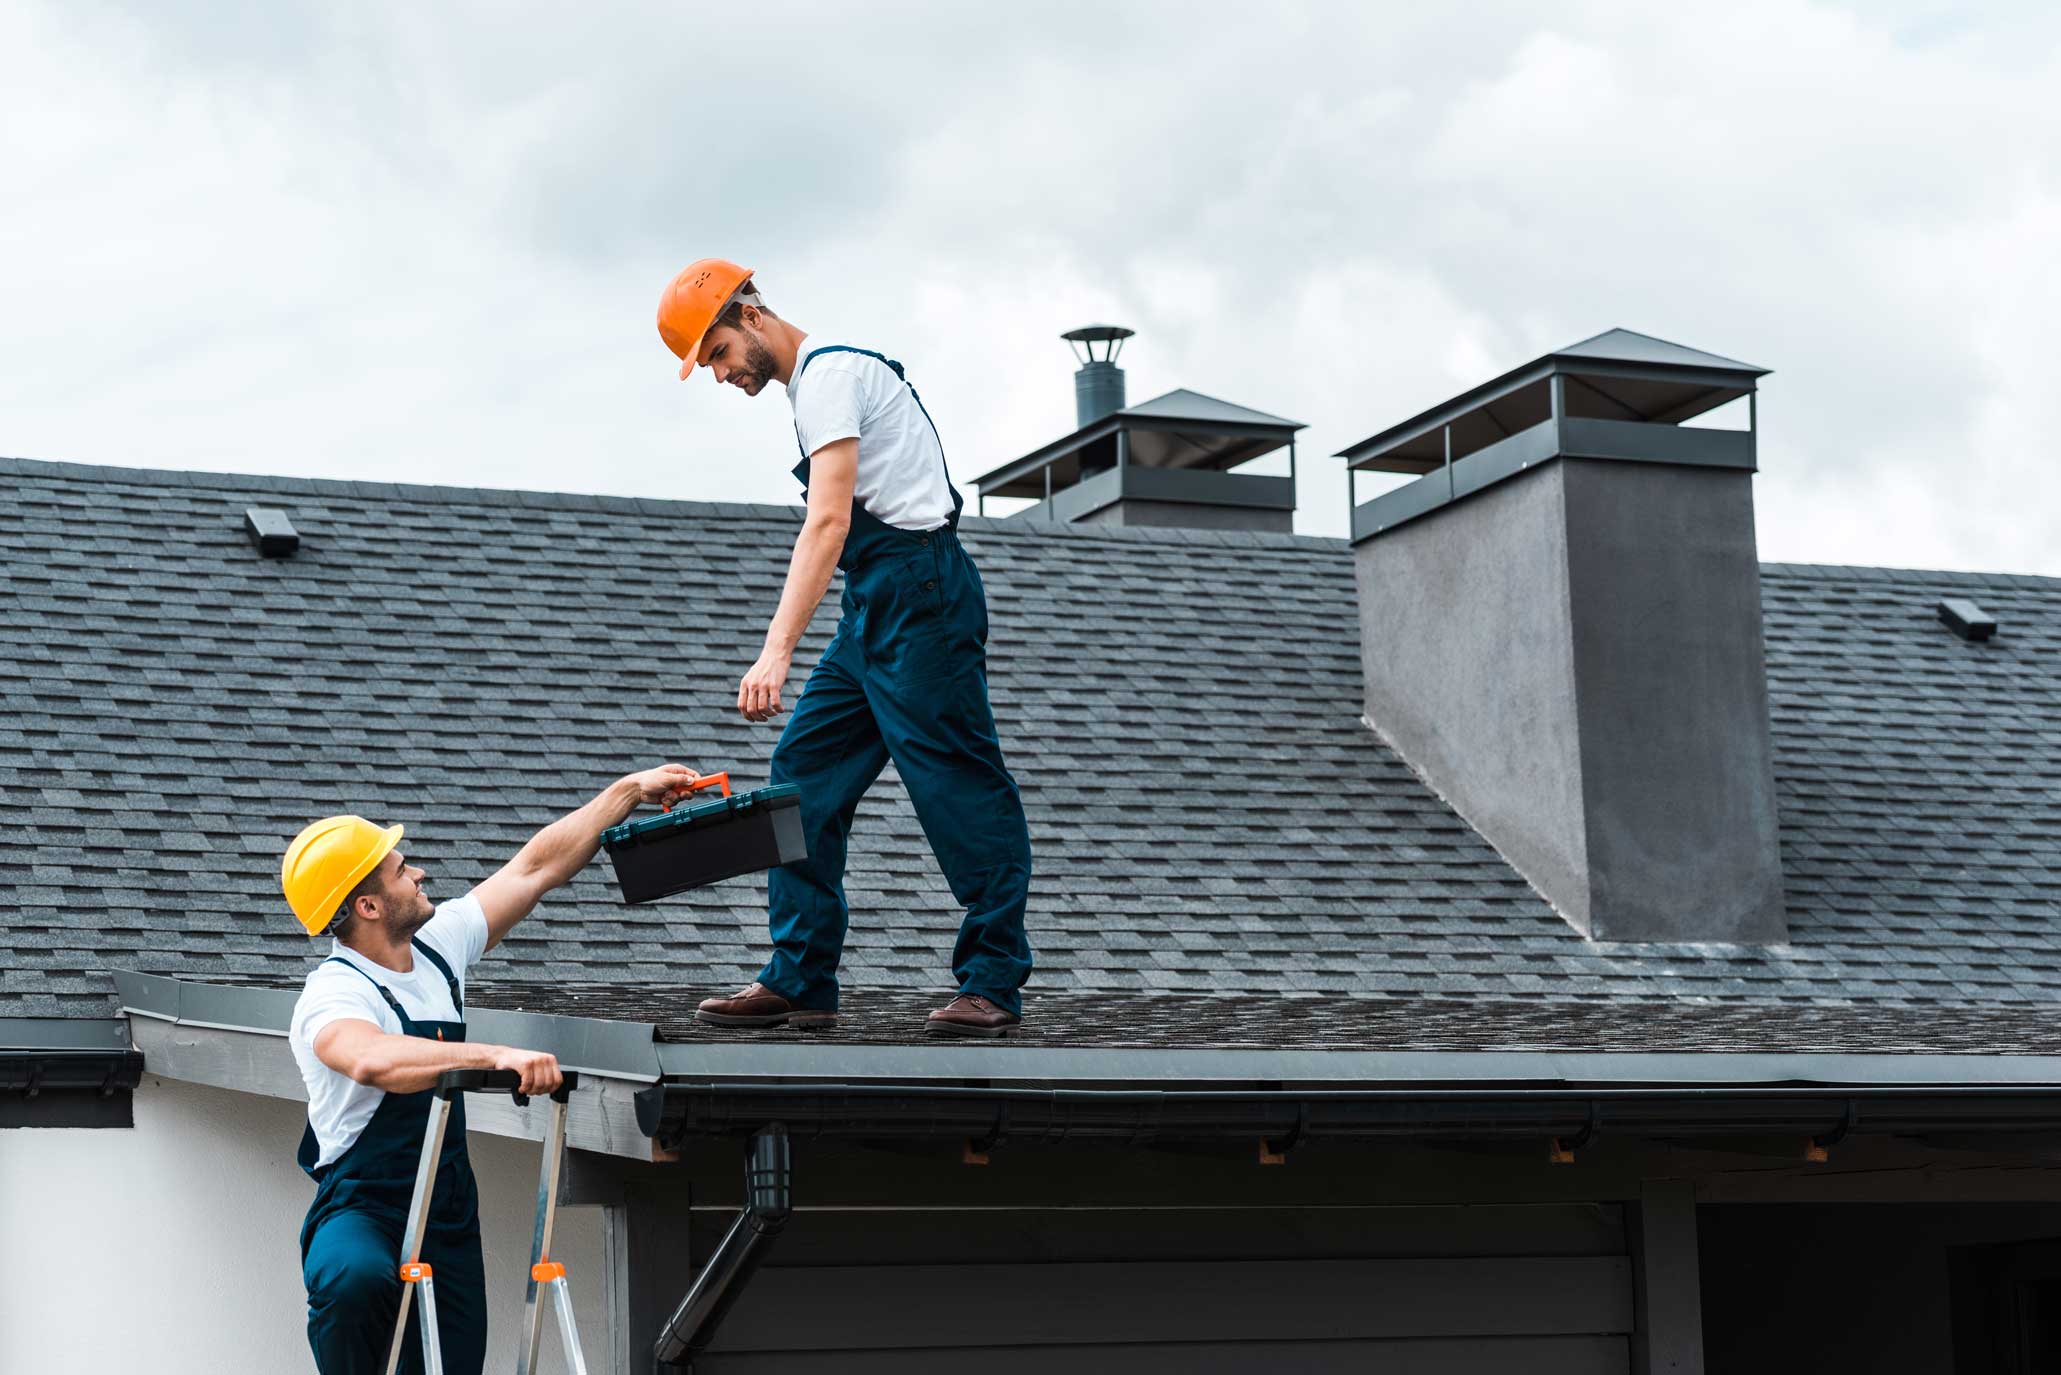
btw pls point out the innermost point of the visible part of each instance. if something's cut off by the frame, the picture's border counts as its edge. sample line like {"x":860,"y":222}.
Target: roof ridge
{"x":987,"y":525}
{"x":285,"y":485}
{"x":413,"y":491}
{"x":1827,"y":572}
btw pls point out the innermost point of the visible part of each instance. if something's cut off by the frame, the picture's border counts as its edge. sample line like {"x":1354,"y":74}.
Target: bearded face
{"x":758,"y":366}
{"x":738,"y":356}
{"x":404,"y":897}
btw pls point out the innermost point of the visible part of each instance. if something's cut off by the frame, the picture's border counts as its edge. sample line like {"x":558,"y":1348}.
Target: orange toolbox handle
{"x":707,"y":780}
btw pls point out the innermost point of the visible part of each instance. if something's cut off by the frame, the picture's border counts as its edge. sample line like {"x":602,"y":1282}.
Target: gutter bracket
{"x":768,"y":1203}
{"x":977,"y":1147}
{"x":1276,"y":1152}
{"x":1562,"y":1150}
{"x":1818,"y":1149}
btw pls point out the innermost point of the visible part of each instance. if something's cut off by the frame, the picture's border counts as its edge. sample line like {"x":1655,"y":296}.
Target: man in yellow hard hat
{"x":904,"y":678}
{"x":375,"y":1024}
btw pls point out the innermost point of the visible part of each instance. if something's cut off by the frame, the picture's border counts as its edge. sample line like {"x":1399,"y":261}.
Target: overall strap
{"x":847,"y":348}
{"x":457,"y":998}
{"x":384,"y":992}
{"x":902,"y":377}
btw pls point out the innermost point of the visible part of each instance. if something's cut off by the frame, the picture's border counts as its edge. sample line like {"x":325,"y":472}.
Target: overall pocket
{"x":914,"y":631}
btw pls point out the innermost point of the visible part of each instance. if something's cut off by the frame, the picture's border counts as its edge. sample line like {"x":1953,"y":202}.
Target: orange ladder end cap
{"x":544,"y":1271}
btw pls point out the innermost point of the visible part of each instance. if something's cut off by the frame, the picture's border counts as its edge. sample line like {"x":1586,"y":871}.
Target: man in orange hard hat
{"x":904,"y":678}
{"x":375,"y":1024}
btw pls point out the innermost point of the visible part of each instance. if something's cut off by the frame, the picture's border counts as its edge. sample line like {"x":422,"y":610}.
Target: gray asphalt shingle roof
{"x":1182,"y":709}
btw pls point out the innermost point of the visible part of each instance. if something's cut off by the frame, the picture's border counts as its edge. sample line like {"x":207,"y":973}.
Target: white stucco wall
{"x":173,"y":1247}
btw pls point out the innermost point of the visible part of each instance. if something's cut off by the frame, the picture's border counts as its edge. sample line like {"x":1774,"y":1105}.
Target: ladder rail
{"x":418,"y":1225}
{"x":540,"y":1242}
{"x":568,"y":1329}
{"x":432,"y":1345}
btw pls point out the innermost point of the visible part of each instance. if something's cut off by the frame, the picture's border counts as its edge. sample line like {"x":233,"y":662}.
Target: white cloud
{"x":425,"y":242}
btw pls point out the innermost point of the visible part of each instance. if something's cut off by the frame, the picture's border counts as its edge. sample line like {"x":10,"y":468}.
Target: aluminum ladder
{"x":415,"y":1275}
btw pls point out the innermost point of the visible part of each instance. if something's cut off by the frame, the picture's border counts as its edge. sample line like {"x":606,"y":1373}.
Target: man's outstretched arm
{"x":563,"y":848}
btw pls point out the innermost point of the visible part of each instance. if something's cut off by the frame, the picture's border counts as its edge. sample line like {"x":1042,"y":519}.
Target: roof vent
{"x":271,"y":532}
{"x":1966,"y":619}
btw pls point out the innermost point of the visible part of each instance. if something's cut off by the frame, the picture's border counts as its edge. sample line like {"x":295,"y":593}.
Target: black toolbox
{"x":691,"y":846}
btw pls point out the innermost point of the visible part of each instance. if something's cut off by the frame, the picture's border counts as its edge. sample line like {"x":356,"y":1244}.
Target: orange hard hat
{"x":691,"y":303}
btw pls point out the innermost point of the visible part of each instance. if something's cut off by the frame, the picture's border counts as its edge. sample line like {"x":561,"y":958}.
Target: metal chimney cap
{"x":1083,"y":342}
{"x":1097,"y":334}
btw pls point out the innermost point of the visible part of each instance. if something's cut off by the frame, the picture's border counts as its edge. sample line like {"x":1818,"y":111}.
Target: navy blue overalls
{"x":351,"y":1241}
{"x":904,"y":678}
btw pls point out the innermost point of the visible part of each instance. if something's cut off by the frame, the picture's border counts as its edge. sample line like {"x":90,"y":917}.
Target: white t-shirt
{"x":901,"y":478}
{"x":339,"y":1106}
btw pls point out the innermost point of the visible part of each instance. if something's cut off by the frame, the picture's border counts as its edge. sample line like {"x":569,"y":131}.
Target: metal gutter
{"x":672,"y":1111}
{"x":1131,"y":1095}
{"x":223,"y":1007}
{"x":63,"y":1033}
{"x":234,"y":1037}
{"x":67,"y":1072}
{"x":621,"y":1050}
{"x":833,"y":1062}
{"x":31,"y":1072}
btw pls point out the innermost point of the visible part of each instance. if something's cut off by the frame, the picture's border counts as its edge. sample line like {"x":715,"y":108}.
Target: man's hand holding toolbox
{"x":713,"y":839}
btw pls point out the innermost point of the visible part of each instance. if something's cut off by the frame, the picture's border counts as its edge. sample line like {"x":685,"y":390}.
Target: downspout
{"x":768,"y":1201}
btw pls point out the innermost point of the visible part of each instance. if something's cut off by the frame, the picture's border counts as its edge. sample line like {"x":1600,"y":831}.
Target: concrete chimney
{"x":1561,"y":632}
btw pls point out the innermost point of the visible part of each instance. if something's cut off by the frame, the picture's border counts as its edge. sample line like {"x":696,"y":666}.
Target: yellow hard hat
{"x":328,"y":859}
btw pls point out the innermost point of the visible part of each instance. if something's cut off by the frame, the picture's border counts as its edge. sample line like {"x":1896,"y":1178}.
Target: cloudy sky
{"x":425,"y":242}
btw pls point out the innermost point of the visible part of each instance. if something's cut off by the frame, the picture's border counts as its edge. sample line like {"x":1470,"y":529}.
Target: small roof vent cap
{"x":271,"y":531}
{"x":1966,"y":619}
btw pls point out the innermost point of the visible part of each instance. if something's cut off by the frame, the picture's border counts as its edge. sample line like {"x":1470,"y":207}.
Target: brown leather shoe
{"x":757,"y":1005}
{"x":969,"y":1014}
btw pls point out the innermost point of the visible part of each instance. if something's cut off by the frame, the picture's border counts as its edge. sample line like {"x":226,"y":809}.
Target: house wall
{"x":1844,"y":1286}
{"x":1541,"y":1288}
{"x":174,"y":1245}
